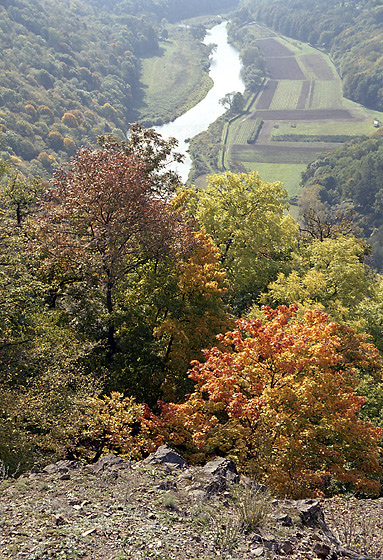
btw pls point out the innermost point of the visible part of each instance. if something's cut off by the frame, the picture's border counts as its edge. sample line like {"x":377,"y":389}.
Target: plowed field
{"x":272,"y":47}
{"x":319,"y":66}
{"x":303,"y":91}
{"x":304,"y":115}
{"x":267,"y":94}
{"x":284,"y":68}
{"x":301,"y":103}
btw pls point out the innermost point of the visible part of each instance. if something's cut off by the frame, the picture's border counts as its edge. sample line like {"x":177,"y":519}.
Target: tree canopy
{"x":246,"y":218}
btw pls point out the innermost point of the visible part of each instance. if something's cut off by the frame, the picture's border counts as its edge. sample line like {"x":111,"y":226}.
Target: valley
{"x":302,"y":110}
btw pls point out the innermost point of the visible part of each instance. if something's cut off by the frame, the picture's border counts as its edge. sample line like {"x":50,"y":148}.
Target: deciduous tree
{"x":101,"y":221}
{"x":246,"y":219}
{"x":281,"y":400}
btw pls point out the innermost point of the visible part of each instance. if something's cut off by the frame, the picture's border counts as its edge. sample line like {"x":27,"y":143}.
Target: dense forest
{"x":348,"y":181}
{"x":136,"y":311}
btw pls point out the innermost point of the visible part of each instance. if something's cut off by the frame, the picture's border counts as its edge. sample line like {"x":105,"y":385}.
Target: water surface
{"x":225,"y":70}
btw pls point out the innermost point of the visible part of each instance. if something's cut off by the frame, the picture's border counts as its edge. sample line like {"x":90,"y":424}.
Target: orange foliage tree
{"x":280,"y":399}
{"x":190,"y":312}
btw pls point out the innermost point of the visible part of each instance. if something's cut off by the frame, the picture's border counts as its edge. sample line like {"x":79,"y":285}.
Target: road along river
{"x":225,"y":71}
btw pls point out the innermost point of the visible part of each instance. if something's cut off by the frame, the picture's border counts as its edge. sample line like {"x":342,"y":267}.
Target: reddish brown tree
{"x":102,"y":220}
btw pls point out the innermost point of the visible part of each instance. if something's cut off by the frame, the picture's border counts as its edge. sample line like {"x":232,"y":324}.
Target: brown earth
{"x":301,"y":103}
{"x":284,"y":68}
{"x":317,"y":63}
{"x":116,"y":510}
{"x":272,"y":47}
{"x":267,"y":94}
{"x":302,"y":115}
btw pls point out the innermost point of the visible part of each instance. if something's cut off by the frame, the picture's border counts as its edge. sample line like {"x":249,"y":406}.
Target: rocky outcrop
{"x":162,"y":508}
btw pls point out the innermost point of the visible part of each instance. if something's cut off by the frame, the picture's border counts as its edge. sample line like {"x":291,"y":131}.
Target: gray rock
{"x":165,"y":456}
{"x":285,"y":520}
{"x":167,"y":485}
{"x":107,"y":463}
{"x":222,"y":467}
{"x":216,"y":485}
{"x":287,"y":547}
{"x":65,"y":476}
{"x":61,"y":467}
{"x":50,"y":469}
{"x":310,"y":512}
{"x":64,"y":466}
{"x":322,"y":550}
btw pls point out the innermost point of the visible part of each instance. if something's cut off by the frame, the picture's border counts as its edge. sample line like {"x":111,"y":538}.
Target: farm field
{"x":301,"y":98}
{"x":288,"y":173}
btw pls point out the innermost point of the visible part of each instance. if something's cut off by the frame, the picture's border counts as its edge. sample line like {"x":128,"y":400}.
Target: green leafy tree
{"x":331,"y":273}
{"x":247,"y":220}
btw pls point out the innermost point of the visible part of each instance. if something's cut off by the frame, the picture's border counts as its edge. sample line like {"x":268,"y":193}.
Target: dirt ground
{"x":121,"y":511}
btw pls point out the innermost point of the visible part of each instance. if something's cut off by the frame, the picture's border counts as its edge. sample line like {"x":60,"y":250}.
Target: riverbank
{"x":225,"y":71}
{"x":177,"y":78}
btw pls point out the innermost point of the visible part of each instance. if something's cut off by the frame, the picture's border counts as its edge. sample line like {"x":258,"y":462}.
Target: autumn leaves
{"x":136,"y":281}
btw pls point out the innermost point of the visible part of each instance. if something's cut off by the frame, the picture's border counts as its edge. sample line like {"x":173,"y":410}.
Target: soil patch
{"x":284,"y":68}
{"x":319,"y":66}
{"x":267,"y":95}
{"x":272,"y":47}
{"x":301,"y":115}
{"x":301,"y":104}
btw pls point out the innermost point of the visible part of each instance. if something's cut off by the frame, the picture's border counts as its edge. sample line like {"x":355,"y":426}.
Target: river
{"x":225,"y":71}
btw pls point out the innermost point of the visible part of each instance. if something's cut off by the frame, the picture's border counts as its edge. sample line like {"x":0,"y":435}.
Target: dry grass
{"x":356,"y":524}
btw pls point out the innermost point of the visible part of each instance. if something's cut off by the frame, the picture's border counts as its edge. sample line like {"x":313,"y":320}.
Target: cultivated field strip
{"x":284,"y":68}
{"x":278,"y":153}
{"x":303,"y":115}
{"x":301,"y":100}
{"x":271,"y":47}
{"x":303,"y":96}
{"x":326,"y":94}
{"x":286,"y":95}
{"x":243,"y":130}
{"x":319,"y":66}
{"x":267,"y":94}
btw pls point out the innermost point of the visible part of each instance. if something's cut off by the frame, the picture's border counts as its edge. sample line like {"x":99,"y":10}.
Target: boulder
{"x":222,"y":467}
{"x":165,"y":455}
{"x":107,"y":462}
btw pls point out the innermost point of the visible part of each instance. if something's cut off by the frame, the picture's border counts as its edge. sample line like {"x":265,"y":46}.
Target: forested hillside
{"x":352,"y":31}
{"x":348,"y":181}
{"x":70,"y":72}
